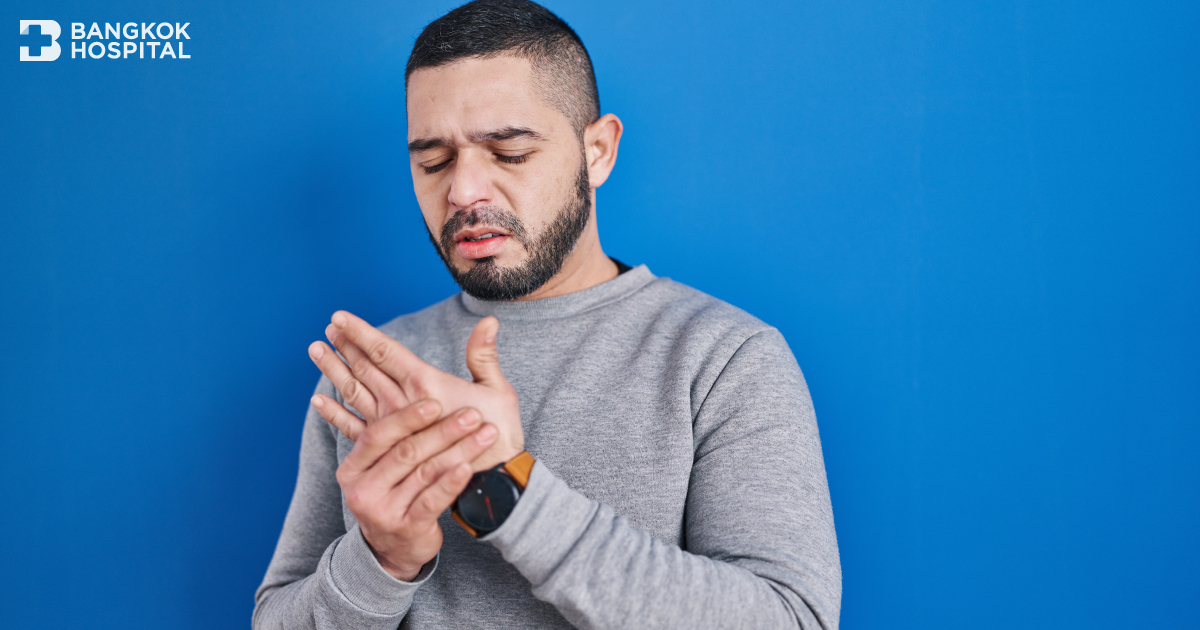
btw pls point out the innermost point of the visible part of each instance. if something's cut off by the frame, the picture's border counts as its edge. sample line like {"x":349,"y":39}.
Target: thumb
{"x":483,"y":360}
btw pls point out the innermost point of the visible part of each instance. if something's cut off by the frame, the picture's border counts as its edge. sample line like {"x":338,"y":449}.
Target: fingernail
{"x":468,"y":418}
{"x":428,"y":409}
{"x":316,"y":351}
{"x":339,"y":320}
{"x":486,"y":434}
{"x":317,"y":402}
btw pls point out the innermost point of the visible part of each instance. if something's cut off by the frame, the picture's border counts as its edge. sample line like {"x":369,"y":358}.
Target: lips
{"x":484,"y":237}
{"x":479,"y":242}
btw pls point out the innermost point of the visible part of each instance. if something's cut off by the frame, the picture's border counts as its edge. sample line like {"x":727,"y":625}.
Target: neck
{"x":586,"y":267}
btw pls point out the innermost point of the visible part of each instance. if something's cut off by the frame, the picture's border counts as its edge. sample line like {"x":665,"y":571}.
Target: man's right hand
{"x":405,"y":469}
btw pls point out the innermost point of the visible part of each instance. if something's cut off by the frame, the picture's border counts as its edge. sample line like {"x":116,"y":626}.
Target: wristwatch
{"x":491,"y":495}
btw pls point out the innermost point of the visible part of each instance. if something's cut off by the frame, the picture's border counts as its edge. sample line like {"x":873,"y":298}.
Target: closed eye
{"x":512,"y":159}
{"x":430,"y":170}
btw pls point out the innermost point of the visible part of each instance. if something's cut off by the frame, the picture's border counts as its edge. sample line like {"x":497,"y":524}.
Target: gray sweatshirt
{"x":679,"y":481}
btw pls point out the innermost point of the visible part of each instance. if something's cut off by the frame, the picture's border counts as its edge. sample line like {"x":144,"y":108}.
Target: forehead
{"x":476,"y":94}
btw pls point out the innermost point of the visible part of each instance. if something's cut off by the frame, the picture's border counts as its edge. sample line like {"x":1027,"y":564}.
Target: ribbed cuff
{"x":549,"y":519}
{"x":357,"y":575}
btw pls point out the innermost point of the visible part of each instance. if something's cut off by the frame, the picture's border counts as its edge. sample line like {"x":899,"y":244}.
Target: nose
{"x":470,"y":184}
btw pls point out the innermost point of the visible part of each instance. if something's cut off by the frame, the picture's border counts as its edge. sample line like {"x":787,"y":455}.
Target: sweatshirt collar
{"x":562,"y":305}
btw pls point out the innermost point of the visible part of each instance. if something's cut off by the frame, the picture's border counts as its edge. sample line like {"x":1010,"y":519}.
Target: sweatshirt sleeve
{"x":322,"y":576}
{"x":761,"y":551}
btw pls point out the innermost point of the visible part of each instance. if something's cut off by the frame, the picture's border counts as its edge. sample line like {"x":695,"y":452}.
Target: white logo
{"x":136,"y":40}
{"x":41,"y":49}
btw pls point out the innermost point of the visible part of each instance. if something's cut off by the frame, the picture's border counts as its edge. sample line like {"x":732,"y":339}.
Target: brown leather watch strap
{"x":520,"y":467}
{"x":459,"y":519}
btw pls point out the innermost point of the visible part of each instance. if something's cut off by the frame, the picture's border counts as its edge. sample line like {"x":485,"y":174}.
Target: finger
{"x":413,"y":451}
{"x":380,"y":436}
{"x":483,"y":360}
{"x":382,"y":387}
{"x":353,"y":392}
{"x":463,"y":452}
{"x":334,"y":413}
{"x":390,"y":355}
{"x":436,"y":498}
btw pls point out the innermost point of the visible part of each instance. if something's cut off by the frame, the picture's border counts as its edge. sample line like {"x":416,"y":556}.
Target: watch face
{"x":489,"y":498}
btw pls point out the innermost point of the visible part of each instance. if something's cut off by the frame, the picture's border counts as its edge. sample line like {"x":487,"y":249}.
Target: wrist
{"x":404,"y":572}
{"x":498,"y":454}
{"x":491,"y":495}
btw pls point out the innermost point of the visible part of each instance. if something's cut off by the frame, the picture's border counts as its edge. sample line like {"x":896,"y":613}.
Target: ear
{"x":600,"y":142}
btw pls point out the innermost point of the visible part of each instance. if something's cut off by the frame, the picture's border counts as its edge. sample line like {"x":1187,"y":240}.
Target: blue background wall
{"x":975,"y":222}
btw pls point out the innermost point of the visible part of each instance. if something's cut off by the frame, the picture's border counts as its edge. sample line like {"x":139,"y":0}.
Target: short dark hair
{"x":489,"y":28}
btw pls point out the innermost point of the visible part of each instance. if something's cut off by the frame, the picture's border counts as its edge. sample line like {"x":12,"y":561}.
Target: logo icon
{"x":36,"y":33}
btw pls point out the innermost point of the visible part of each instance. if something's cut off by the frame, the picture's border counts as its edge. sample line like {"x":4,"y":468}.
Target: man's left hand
{"x":384,"y":376}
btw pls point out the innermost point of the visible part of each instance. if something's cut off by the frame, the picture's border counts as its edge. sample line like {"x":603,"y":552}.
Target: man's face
{"x":498,"y":173}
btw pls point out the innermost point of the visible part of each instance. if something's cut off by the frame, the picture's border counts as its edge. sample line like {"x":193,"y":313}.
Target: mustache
{"x":486,"y":215}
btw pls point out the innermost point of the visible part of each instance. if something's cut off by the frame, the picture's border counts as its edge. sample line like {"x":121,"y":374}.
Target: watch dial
{"x":488,"y":500}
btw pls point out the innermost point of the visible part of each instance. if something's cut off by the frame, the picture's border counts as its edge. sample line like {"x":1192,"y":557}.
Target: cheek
{"x":538,"y":194}
{"x":434,"y":223}
{"x":435,"y":216}
{"x":432,"y":201}
{"x":426,"y":187}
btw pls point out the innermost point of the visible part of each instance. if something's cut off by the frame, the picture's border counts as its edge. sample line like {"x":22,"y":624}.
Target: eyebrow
{"x":478,"y":137}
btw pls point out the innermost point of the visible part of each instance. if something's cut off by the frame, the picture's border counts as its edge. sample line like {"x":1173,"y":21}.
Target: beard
{"x":487,"y":280}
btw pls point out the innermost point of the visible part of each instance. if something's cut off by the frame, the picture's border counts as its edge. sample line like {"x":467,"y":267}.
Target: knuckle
{"x":405,"y":452}
{"x":393,"y":402}
{"x":415,"y":385}
{"x":359,"y":364}
{"x":429,"y":503}
{"x":350,"y":390}
{"x":426,"y":473}
{"x":380,"y":352}
{"x":354,"y":499}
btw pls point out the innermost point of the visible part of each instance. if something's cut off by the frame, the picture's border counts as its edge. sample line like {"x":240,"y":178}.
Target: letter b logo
{"x":42,"y":50}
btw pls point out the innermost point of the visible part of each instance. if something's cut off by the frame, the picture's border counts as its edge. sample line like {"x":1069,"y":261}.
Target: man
{"x":644,"y":455}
